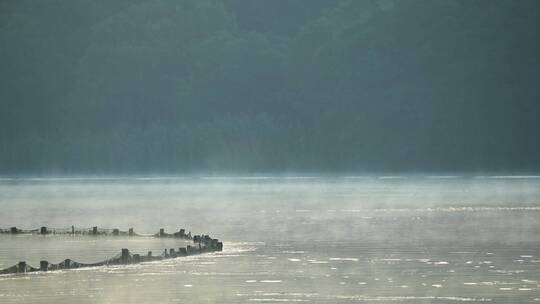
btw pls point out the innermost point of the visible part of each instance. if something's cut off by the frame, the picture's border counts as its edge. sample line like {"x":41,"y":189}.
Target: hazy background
{"x":121,"y":87}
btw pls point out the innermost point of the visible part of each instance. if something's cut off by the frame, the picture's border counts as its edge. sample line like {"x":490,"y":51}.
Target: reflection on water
{"x":317,"y":240}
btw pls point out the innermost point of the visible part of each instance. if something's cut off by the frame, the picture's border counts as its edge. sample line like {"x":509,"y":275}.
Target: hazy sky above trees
{"x":248,"y":86}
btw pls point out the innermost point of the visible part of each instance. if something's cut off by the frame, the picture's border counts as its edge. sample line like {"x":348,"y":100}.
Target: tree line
{"x":268,"y":86}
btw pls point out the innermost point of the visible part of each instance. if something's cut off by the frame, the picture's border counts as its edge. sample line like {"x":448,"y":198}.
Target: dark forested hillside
{"x":99,"y":86}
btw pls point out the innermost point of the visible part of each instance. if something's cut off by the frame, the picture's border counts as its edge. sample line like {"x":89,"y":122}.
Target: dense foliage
{"x":131,"y":86}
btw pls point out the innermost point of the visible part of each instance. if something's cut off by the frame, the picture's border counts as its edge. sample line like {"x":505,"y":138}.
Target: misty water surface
{"x":384,"y":239}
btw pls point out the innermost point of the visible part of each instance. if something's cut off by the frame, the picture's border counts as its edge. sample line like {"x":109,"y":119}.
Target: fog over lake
{"x":413,"y":239}
{"x":263,"y":151}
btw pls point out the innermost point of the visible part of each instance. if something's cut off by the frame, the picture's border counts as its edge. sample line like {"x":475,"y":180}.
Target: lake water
{"x":356,"y":239}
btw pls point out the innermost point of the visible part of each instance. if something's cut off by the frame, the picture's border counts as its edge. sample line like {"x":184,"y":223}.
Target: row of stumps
{"x":202,"y":244}
{"x":94,"y":231}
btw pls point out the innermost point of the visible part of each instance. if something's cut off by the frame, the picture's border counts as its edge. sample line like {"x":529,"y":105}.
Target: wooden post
{"x":43,"y":265}
{"x":125,"y":256}
{"x":21,"y":267}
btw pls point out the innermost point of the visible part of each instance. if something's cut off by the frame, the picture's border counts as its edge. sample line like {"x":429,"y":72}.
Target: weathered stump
{"x":21,"y":267}
{"x":43,"y":265}
{"x":124,"y":258}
